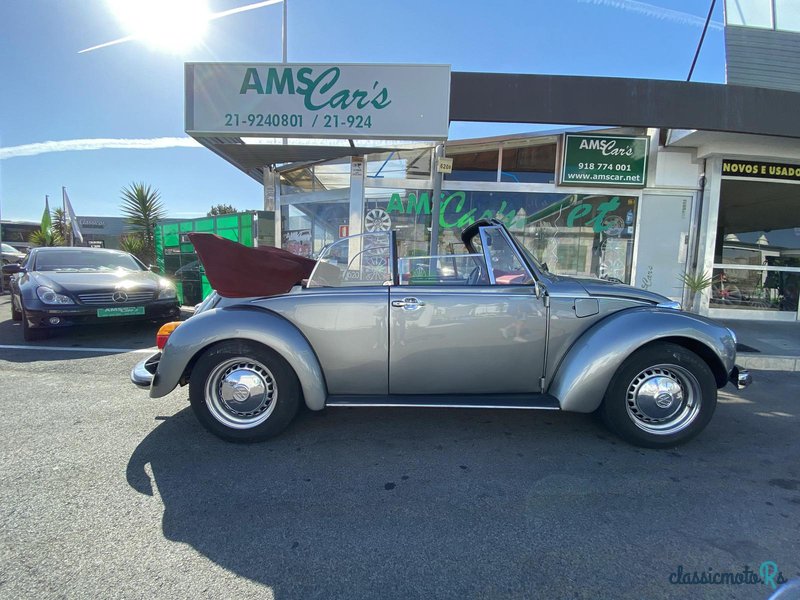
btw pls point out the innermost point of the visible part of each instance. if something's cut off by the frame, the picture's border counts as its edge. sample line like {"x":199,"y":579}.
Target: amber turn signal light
{"x":164,"y":332}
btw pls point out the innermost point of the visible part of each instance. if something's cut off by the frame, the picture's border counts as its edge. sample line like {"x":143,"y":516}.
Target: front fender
{"x":586,"y":370}
{"x":240,"y":323}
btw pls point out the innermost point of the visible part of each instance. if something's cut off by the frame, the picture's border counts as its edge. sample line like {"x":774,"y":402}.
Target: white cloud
{"x":656,"y":12}
{"x":97,"y":144}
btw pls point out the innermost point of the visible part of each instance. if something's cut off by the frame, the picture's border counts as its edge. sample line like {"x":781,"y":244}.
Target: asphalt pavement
{"x":107,"y":493}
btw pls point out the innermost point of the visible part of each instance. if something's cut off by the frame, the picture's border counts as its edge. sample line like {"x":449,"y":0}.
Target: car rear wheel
{"x":662,"y":395}
{"x":243,"y":392}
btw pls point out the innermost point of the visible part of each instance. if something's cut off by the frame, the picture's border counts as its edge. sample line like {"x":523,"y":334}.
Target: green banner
{"x":607,"y":160}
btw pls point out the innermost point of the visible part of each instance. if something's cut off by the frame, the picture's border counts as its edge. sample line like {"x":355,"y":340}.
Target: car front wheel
{"x":31,"y":334}
{"x":662,"y":395}
{"x":16,"y":315}
{"x":242,"y":391}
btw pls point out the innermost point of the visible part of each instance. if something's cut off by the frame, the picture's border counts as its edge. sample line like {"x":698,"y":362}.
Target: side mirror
{"x":12,"y":268}
{"x":153,"y":269}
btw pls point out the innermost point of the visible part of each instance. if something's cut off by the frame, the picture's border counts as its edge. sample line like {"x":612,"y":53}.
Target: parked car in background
{"x":61,"y":287}
{"x":11,"y":255}
{"x":487,"y":328}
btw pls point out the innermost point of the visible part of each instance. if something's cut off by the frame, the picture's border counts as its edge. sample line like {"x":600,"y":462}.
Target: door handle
{"x":408,"y":303}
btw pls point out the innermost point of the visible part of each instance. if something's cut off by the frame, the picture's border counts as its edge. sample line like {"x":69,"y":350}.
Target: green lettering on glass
{"x":602,"y":211}
{"x":580,"y":211}
{"x":423,"y":204}
{"x":395,"y":204}
{"x":509,"y":216}
{"x":459,"y":207}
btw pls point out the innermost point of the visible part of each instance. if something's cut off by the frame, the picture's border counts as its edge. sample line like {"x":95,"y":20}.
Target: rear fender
{"x":586,"y":370}
{"x":240,"y":322}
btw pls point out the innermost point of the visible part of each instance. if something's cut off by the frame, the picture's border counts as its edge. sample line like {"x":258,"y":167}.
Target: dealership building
{"x":642,"y":181}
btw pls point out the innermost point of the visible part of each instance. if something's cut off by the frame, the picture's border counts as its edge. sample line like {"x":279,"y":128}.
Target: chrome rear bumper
{"x":144,"y":371}
{"x":740,"y":377}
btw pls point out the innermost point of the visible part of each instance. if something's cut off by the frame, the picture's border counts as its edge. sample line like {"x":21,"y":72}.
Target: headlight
{"x":167,"y":290}
{"x":48,"y":296}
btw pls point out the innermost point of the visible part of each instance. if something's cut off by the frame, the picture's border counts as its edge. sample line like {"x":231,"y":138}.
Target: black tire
{"x":31,"y":334}
{"x":257,"y":417}
{"x":16,"y":315}
{"x":661,"y":396}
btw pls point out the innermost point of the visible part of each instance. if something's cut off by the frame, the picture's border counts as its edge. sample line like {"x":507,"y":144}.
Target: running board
{"x":516,"y":401}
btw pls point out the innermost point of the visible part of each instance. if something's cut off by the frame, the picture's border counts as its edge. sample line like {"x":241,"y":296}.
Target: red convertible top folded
{"x":236,"y":271}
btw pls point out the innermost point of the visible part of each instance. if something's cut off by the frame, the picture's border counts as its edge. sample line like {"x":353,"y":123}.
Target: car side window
{"x":450,"y":269}
{"x":505,"y":265}
{"x":361,"y":260}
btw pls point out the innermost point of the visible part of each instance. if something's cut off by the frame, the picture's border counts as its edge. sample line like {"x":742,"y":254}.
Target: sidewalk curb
{"x":768,"y":362}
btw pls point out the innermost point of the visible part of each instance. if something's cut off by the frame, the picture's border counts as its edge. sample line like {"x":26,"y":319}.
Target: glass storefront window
{"x":400,"y":164}
{"x":755,"y":289}
{"x":330,"y":175}
{"x":787,"y":15}
{"x":589,"y":235}
{"x":757,"y":253}
{"x":307,"y":227}
{"x":749,"y":13}
{"x":529,"y":164}
{"x":408,"y":212}
{"x":474,"y":166}
{"x":357,"y":261}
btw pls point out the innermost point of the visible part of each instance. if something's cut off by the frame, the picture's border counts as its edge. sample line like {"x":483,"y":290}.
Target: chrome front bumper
{"x":740,"y":377}
{"x":144,"y":371}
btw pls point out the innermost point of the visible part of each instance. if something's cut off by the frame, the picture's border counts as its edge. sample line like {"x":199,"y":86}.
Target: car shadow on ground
{"x":432,"y":502}
{"x":135,"y":335}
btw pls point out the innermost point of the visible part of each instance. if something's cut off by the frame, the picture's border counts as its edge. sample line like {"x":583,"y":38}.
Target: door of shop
{"x":664,"y":225}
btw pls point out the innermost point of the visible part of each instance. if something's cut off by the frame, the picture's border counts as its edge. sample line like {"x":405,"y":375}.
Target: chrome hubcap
{"x":241,"y":393}
{"x":663,"y":399}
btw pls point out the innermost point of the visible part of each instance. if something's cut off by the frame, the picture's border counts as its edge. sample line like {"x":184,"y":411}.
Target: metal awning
{"x":565,"y":100}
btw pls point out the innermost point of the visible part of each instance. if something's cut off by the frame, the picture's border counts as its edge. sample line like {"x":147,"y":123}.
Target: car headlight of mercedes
{"x":48,"y":296}
{"x":166,"y":290}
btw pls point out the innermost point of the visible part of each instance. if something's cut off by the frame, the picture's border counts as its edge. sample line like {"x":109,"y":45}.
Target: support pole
{"x":436,"y":200}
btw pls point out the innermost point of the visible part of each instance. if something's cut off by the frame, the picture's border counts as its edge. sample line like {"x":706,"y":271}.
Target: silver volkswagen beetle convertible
{"x":489,"y":327}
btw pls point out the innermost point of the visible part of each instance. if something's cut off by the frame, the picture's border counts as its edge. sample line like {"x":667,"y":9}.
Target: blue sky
{"x":51,"y":93}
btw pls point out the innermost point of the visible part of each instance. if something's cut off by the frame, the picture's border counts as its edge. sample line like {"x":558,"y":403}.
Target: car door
{"x":467,"y":335}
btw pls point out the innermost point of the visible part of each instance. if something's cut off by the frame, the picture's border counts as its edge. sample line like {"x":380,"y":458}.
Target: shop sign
{"x":91,"y":223}
{"x":97,"y":244}
{"x":607,"y":160}
{"x":754,"y":169}
{"x":319,"y":100}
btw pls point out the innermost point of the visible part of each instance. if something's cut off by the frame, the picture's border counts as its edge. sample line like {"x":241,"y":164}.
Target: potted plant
{"x":696,"y":283}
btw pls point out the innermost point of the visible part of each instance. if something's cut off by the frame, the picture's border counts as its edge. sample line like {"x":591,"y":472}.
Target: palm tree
{"x":134,"y":244}
{"x":143,"y":209}
{"x":60,"y":224}
{"x":46,"y":237}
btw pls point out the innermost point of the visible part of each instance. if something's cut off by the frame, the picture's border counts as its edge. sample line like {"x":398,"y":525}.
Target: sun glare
{"x":171,"y":25}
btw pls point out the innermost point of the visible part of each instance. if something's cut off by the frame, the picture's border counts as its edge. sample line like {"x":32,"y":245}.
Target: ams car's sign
{"x":319,"y":100}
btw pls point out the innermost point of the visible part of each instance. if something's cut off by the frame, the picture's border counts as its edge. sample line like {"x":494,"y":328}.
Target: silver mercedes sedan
{"x":487,"y":327}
